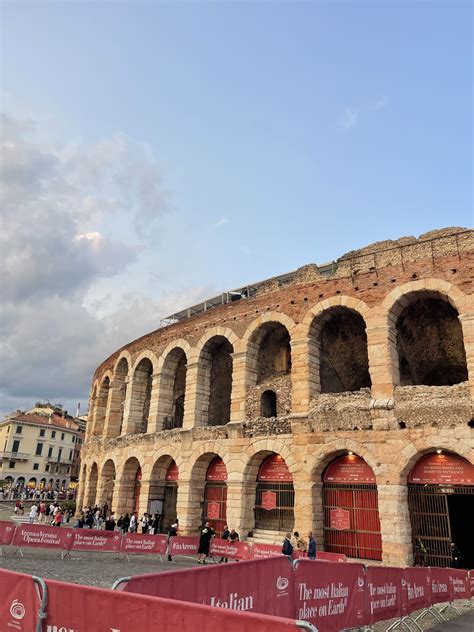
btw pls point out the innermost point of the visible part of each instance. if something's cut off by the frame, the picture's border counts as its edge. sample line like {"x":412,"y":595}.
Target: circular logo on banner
{"x":17,"y":610}
{"x":282,"y":583}
{"x":360,"y":582}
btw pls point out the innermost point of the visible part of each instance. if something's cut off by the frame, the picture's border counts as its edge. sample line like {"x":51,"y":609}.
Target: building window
{"x":36,"y":466}
{"x":53,"y":434}
{"x":59,"y":454}
{"x":18,"y":429}
{"x":47,"y":468}
{"x":42,"y":432}
{"x":70,"y":454}
{"x":39,"y":449}
{"x":62,"y":436}
{"x":15,"y":446}
{"x":12,"y":465}
{"x":50,"y":451}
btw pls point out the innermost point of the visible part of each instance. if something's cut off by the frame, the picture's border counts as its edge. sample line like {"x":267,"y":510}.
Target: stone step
{"x":265,"y":536}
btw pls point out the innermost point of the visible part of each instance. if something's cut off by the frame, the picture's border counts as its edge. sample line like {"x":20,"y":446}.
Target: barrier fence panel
{"x":141,"y":543}
{"x":73,"y":607}
{"x":6,"y":532}
{"x":183,"y":546}
{"x":19,"y":602}
{"x":27,"y":535}
{"x":95,"y":540}
{"x":330,"y":596}
{"x":231,"y":550}
{"x":384,"y":593}
{"x":265,"y":586}
{"x":416,"y":586}
{"x":460,"y":582}
{"x":441,"y":586}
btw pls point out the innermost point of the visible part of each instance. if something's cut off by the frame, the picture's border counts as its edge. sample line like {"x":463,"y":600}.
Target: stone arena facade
{"x":237,"y":412}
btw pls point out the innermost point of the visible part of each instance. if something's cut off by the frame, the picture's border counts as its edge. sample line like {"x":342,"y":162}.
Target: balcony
{"x":14,"y":456}
{"x":54,"y":461}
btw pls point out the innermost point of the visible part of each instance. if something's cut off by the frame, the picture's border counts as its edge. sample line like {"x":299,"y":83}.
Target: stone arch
{"x":172,"y":386}
{"x":101,"y":404}
{"x":200,"y":462}
{"x":426,"y":334}
{"x":123,"y":355}
{"x":118,"y":396}
{"x":107,"y":484}
{"x":141,"y":393}
{"x":125,"y":493}
{"x":268,"y":361}
{"x":164,"y":492}
{"x":180,"y":343}
{"x":213,"y":332}
{"x":333,"y":450}
{"x":214,"y":381}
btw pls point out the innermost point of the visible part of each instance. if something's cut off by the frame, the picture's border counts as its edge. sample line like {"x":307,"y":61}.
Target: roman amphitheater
{"x":336,"y":398}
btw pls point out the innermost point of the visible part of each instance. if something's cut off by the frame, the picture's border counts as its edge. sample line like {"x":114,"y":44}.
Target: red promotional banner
{"x":172,"y":473}
{"x":269,"y":500}
{"x":460,"y":583}
{"x":19,"y":603}
{"x":92,"y":540}
{"x":213,"y":510}
{"x":232,"y":550}
{"x":141,"y":543}
{"x":349,"y":469}
{"x":441,"y":587}
{"x":325,"y":556}
{"x":441,"y":469}
{"x":43,"y":537}
{"x":471,"y":580}
{"x":416,"y":586}
{"x":82,"y":608}
{"x":184,"y":546}
{"x":339,"y":519}
{"x":6,"y":532}
{"x":264,"y":586}
{"x":274,"y":468}
{"x":216,"y":471}
{"x":384,"y":593}
{"x":262,"y":551}
{"x":330,"y":596}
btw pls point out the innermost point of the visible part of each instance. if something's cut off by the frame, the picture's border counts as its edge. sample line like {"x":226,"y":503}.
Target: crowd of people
{"x":20,"y":492}
{"x":296,"y":543}
{"x":45,"y":513}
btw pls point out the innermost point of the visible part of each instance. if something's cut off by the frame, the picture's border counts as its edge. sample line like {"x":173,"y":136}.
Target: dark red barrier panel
{"x":471,"y":579}
{"x":95,"y":540}
{"x":331,"y":596}
{"x":184,"y":546}
{"x":232,"y":550}
{"x":262,"y":551}
{"x":264,"y":586}
{"x":460,"y":583}
{"x":141,"y":543}
{"x":441,"y":587}
{"x":6,"y":532}
{"x":384,"y":593}
{"x":325,"y":556}
{"x":416,"y":586}
{"x":43,"y":537}
{"x":82,"y":608}
{"x":18,"y":603}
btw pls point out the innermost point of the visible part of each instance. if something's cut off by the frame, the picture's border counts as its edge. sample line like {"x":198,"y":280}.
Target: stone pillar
{"x":144,"y":496}
{"x":317,"y":524}
{"x":467,"y":324}
{"x":383,"y":360}
{"x":304,"y":371}
{"x":395,"y":525}
{"x":303,"y":509}
{"x":105,"y":491}
{"x":189,"y":505}
{"x":123,"y":495}
{"x":115,"y":407}
{"x":90,"y":493}
{"x":193,"y":399}
{"x":152,"y":423}
{"x":164,"y":406}
{"x":237,"y":404}
{"x":80,"y":491}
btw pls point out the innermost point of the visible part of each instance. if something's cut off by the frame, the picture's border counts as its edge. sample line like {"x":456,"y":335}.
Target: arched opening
{"x":275,"y":495}
{"x":215,"y":381}
{"x":440,"y":500}
{"x":120,"y":393}
{"x":107,"y":485}
{"x":32,"y":482}
{"x":20,"y":481}
{"x":173,"y":389}
{"x":351,"y":509}
{"x":141,"y":397}
{"x":101,"y":406}
{"x":42,"y":484}
{"x":163,"y":494}
{"x":91,"y":486}
{"x":269,"y":368}
{"x":430,"y":343}
{"x":268,"y":404}
{"x":215,"y":495}
{"x":130,"y":487}
{"x":340,"y":338}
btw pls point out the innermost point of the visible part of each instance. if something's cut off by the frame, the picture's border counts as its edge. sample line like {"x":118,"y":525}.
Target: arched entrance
{"x":107,"y":485}
{"x":275,"y":495}
{"x":215,"y":495}
{"x":351,"y":510}
{"x":170,"y":495}
{"x":440,"y":499}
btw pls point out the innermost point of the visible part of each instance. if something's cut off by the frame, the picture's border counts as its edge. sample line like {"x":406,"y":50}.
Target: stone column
{"x":395,"y":525}
{"x":303,"y":509}
{"x":193,"y":400}
{"x":317,"y":524}
{"x":123,"y":495}
{"x":383,"y":360}
{"x":153,"y":425}
{"x":467,"y":324}
{"x":237,"y":404}
{"x":115,"y":411}
{"x":164,"y":406}
{"x":144,"y":496}
{"x":90,"y":493}
{"x":189,"y":505}
{"x":304,"y":370}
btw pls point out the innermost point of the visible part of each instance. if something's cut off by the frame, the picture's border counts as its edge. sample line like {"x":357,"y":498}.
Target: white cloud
{"x":221,"y":221}
{"x":349,"y":118}
{"x":380,"y":104}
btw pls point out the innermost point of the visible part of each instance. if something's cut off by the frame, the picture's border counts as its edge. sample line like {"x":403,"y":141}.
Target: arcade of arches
{"x":312,"y":404}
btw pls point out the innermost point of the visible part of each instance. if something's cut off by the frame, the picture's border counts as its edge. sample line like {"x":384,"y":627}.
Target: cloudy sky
{"x":154,"y":154}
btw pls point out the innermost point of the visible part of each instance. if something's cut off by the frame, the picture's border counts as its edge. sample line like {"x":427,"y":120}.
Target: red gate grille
{"x":282,"y":517}
{"x":216,"y":493}
{"x":363,"y":538}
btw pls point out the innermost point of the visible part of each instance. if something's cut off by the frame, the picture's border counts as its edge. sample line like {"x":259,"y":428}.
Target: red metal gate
{"x":275,"y":495}
{"x":215,"y":495}
{"x":351,"y":511}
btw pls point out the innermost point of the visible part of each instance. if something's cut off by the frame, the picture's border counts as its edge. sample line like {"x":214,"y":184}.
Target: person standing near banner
{"x":207,"y":533}
{"x":33,"y":513}
{"x":311,"y":546}
{"x":287,"y":548}
{"x":172,"y":532}
{"x":225,"y":536}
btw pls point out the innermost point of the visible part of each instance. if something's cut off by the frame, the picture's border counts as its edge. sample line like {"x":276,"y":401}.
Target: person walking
{"x":58,"y":518}
{"x":133,"y":522}
{"x":311,"y":546}
{"x":110,"y":523}
{"x":207,"y":533}
{"x":33,"y":513}
{"x":144,"y":523}
{"x":225,"y":536}
{"x":172,"y":532}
